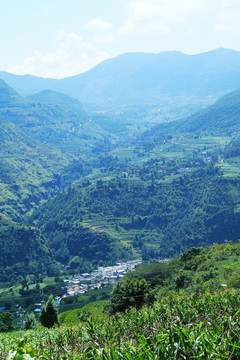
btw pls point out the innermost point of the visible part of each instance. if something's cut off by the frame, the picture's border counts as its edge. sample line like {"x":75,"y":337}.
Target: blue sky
{"x":59,"y":38}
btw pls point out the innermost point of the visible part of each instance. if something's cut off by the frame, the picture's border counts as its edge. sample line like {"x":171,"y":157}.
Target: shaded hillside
{"x":9,"y":97}
{"x":23,"y":251}
{"x":223,"y":116}
{"x":70,"y":240}
{"x":30,"y":169}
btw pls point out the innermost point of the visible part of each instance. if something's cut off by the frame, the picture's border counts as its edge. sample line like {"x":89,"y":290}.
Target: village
{"x":103,"y":276}
{"x":99,"y":278}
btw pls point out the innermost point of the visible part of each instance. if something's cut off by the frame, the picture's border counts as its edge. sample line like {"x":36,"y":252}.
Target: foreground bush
{"x":206,"y":327}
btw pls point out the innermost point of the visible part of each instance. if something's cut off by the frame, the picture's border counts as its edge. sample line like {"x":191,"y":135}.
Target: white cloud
{"x":72,"y":56}
{"x":191,"y":26}
{"x":98,"y":24}
{"x":145,"y":16}
{"x":228,"y":18}
{"x":104,"y":39}
{"x":165,"y":16}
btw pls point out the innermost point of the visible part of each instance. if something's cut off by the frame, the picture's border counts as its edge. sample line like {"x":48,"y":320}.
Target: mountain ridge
{"x":145,"y":79}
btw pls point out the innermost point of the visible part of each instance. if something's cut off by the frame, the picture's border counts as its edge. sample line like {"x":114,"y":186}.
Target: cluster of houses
{"x":80,"y":284}
{"x":103,"y":276}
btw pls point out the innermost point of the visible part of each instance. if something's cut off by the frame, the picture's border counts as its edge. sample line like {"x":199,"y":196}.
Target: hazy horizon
{"x":170,"y":51}
{"x":63,"y":38}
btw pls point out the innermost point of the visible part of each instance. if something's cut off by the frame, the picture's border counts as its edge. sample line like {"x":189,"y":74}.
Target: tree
{"x":49,"y":314}
{"x":6,"y":322}
{"x":30,"y":322}
{"x":130,"y":293}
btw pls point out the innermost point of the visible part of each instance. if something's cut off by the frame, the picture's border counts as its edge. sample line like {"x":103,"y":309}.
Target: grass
{"x":93,"y":311}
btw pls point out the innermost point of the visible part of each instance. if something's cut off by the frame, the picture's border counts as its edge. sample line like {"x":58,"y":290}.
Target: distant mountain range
{"x":169,"y":80}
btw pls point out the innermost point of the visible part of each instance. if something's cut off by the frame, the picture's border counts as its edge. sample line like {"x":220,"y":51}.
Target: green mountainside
{"x":157,"y":219}
{"x":154,"y":195}
{"x":81,"y":190}
{"x":220,"y":118}
{"x":169,"y":195}
{"x":53,"y":119}
{"x":23,"y":251}
{"x":27,"y":171}
{"x":38,"y":140}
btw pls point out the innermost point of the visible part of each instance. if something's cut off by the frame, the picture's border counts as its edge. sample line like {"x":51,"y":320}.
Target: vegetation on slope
{"x":23,"y":251}
{"x":159,"y":219}
{"x":184,"y":322}
{"x":220,"y":118}
{"x":27,"y":171}
{"x":51,"y":118}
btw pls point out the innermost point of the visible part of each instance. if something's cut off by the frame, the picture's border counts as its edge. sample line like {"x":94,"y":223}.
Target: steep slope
{"x":27,"y":171}
{"x":8,"y":96}
{"x":70,"y":240}
{"x":223,"y":116}
{"x":53,"y":119}
{"x":23,"y":251}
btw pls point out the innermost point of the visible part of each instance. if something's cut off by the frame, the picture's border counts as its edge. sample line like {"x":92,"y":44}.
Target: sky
{"x":60,"y":38}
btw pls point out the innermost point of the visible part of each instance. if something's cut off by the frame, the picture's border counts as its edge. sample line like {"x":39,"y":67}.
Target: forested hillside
{"x":40,"y":138}
{"x":52,"y":118}
{"x":27,"y":171}
{"x":99,"y":193}
{"x":155,"y":219}
{"x":24,"y":251}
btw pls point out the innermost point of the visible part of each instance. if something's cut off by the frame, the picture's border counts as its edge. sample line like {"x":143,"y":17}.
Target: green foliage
{"x":220,"y":118}
{"x":96,"y":310}
{"x":24,"y":351}
{"x":156,"y":274}
{"x":193,"y":257}
{"x":194,"y":327}
{"x":130,"y":293}
{"x":23,"y":251}
{"x":6,"y":322}
{"x":151,"y":218}
{"x":30,"y":321}
{"x":49,"y":314}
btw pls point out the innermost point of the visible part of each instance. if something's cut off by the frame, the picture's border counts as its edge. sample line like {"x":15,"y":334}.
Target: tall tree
{"x":49,"y":314}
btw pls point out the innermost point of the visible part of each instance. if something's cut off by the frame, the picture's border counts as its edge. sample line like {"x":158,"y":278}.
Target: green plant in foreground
{"x":194,"y":327}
